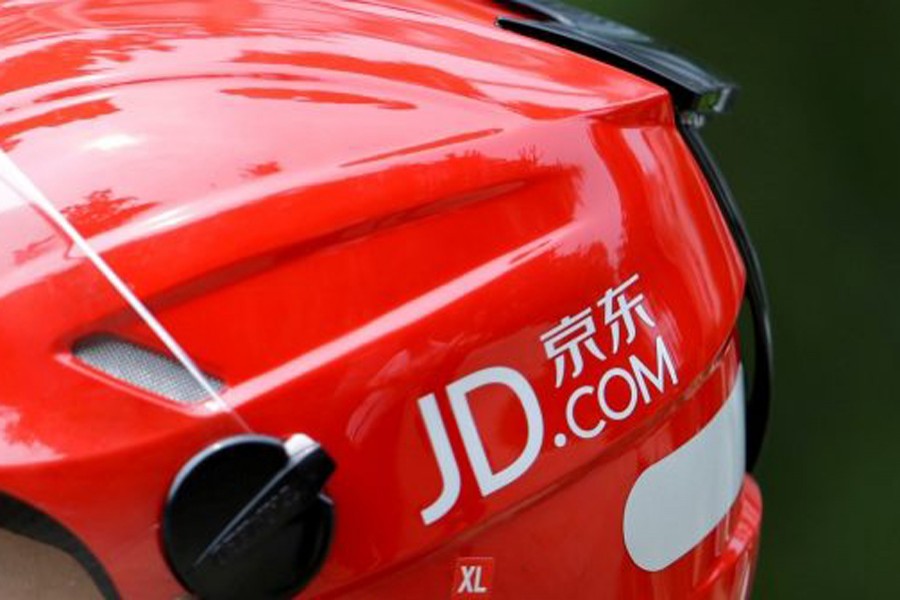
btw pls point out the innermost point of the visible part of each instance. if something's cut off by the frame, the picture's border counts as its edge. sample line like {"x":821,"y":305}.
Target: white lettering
{"x":577,"y":429}
{"x":488,"y":480}
{"x":446,"y":461}
{"x":617,"y":415}
{"x":471,"y":581}
{"x":641,"y":371}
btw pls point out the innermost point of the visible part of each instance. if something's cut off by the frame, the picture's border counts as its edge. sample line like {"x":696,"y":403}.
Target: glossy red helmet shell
{"x":486,"y":273}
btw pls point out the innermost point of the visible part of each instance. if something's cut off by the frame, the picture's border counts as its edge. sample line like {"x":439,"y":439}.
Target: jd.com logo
{"x":563,"y":344}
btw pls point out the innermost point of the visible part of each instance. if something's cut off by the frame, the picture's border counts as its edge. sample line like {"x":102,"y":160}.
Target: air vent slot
{"x":143,"y":368}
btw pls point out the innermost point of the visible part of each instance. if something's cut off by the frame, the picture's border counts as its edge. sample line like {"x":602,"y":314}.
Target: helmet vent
{"x":143,"y":368}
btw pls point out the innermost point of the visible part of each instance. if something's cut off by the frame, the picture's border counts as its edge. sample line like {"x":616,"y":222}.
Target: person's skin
{"x":36,"y":571}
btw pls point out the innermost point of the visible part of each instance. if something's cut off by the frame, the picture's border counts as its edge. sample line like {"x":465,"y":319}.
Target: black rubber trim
{"x":760,"y":397}
{"x":693,"y":88}
{"x":23,"y":519}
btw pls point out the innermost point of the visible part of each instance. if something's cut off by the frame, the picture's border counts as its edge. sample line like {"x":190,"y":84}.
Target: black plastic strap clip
{"x":247,"y":518}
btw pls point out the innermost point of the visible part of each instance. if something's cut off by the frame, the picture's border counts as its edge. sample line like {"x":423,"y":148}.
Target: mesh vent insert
{"x":143,"y":368}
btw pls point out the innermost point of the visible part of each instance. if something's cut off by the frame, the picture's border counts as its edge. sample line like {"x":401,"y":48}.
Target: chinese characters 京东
{"x":621,"y":306}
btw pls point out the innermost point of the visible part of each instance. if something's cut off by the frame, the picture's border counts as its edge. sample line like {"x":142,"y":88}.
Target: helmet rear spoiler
{"x":694,"y":89}
{"x":696,"y":94}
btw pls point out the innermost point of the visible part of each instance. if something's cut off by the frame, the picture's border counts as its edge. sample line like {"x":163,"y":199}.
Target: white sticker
{"x":679,"y":500}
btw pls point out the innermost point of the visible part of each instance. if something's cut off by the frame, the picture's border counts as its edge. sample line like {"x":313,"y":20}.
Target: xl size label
{"x":473,"y":578}
{"x":615,"y":396}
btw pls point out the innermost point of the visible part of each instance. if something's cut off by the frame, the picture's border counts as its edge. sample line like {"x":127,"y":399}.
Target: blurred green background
{"x":812,"y":151}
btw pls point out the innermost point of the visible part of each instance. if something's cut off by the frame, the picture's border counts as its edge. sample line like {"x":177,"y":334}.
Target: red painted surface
{"x":338,"y":209}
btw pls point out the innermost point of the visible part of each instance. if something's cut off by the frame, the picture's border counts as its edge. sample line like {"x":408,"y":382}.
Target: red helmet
{"x":404,"y":299}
